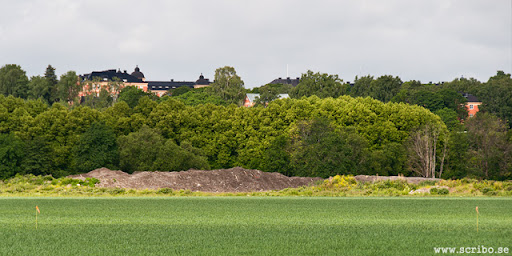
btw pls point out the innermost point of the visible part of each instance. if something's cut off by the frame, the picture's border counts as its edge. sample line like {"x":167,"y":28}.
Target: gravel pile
{"x":224,"y":180}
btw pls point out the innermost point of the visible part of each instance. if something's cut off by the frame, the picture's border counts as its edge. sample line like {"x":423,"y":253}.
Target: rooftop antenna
{"x":287,"y":71}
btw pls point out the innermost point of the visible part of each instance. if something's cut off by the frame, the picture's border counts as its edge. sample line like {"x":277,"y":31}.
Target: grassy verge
{"x":30,"y":185}
{"x":251,"y":226}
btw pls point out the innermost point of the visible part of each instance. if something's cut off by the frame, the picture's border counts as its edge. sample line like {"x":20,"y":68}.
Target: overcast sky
{"x":425,"y":40}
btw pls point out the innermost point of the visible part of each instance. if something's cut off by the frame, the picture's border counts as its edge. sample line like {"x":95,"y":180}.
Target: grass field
{"x":248,"y":226}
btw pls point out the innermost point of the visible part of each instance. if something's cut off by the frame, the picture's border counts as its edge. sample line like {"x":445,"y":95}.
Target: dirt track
{"x":225,"y":180}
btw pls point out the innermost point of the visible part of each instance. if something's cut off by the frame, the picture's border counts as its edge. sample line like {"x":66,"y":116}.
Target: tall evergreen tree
{"x":51,"y":78}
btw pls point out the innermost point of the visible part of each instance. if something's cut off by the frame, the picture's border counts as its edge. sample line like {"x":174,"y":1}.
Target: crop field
{"x":251,"y":225}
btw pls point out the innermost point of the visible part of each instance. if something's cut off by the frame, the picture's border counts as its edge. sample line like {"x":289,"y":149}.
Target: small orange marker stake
{"x":37,"y":211}
{"x":477,"y":213}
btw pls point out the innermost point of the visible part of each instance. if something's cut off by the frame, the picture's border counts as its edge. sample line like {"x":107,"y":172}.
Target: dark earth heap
{"x":225,"y":180}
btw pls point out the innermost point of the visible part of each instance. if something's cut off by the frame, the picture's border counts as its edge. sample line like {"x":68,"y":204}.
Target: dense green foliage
{"x":326,"y":134}
{"x":132,"y":95}
{"x":277,"y":88}
{"x":228,"y":85}
{"x":180,"y":90}
{"x":199,"y":96}
{"x":496,"y":96}
{"x":267,"y":94}
{"x":317,"y":149}
{"x":251,"y":226}
{"x":11,"y":155}
{"x":227,"y":136}
{"x":96,"y":148}
{"x":321,"y":85}
{"x":147,"y":150}
{"x":13,"y":81}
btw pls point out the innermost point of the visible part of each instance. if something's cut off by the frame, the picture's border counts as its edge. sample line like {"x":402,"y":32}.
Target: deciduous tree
{"x":228,"y":85}
{"x":319,"y":151}
{"x":496,"y":96}
{"x":139,"y":150}
{"x":40,"y":89}
{"x":361,"y":86}
{"x":385,"y":88}
{"x":424,"y":150}
{"x":69,"y":87}
{"x":489,"y":146}
{"x":96,"y":148}
{"x":201,"y":96}
{"x":267,"y":95}
{"x":13,"y":81}
{"x":132,"y":95}
{"x":11,"y":155}
{"x":320,"y":84}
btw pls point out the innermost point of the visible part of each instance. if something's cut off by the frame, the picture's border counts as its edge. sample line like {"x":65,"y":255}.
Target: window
{"x":470,"y":106}
{"x":470,"y":115}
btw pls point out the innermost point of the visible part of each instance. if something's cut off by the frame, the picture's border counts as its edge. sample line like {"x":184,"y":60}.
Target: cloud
{"x":426,"y":40}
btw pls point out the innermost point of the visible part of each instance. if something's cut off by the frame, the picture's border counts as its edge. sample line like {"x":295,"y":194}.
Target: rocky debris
{"x":224,"y":180}
{"x":413,"y":180}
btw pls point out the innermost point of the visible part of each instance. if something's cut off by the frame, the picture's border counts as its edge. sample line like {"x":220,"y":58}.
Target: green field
{"x":251,"y":226}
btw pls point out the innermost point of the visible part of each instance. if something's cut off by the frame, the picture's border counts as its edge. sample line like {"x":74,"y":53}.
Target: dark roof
{"x":152,"y":85}
{"x":203,"y":81}
{"x":293,"y":82}
{"x":166,"y":85}
{"x":137,"y":73}
{"x":110,"y":75}
{"x":470,"y":98}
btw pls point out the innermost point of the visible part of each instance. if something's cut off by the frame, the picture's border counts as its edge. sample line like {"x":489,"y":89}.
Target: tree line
{"x":406,"y":128}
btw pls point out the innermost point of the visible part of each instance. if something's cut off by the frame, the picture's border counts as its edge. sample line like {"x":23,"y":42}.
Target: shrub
{"x":488,"y":191}
{"x":165,"y":191}
{"x":340,"y":181}
{"x":90,"y":182}
{"x":386,"y":184}
{"x":116,"y":191}
{"x":439,"y":191}
{"x":427,"y":183}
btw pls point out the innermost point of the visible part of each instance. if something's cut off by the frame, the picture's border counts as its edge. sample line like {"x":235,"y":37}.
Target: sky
{"x":426,"y":40}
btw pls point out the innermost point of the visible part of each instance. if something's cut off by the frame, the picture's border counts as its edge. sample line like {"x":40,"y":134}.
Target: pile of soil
{"x":413,"y":180}
{"x":225,"y":180}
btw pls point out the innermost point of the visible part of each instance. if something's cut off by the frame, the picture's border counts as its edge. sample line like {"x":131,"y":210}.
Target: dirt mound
{"x":414,"y":180}
{"x":225,"y":180}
